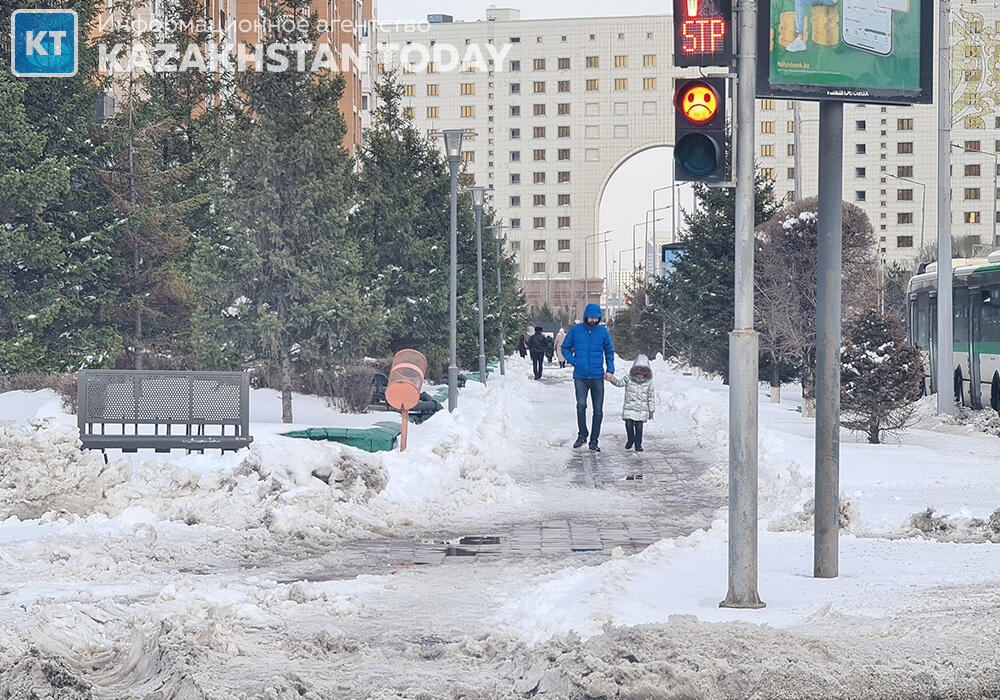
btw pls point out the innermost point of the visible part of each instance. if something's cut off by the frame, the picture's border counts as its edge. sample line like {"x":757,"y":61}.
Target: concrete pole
{"x":479,"y":281}
{"x":945,"y":359}
{"x":453,"y":298}
{"x":743,"y":341}
{"x":828,"y":318}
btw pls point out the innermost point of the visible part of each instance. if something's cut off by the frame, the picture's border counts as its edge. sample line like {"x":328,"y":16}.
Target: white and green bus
{"x":976,"y":326}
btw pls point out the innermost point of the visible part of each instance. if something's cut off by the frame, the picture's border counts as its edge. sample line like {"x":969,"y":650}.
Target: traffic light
{"x":700,"y":130}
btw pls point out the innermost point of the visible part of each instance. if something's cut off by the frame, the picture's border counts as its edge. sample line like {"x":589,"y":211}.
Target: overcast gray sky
{"x":535,"y":9}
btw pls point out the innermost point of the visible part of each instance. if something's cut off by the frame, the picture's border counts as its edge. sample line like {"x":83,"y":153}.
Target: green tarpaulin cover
{"x":381,"y":437}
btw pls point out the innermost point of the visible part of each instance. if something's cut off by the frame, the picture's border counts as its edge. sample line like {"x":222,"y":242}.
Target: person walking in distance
{"x":537,"y":345}
{"x":522,"y":346}
{"x":560,"y":337}
{"x":640,"y":400}
{"x":589,"y":349}
{"x":550,"y":348}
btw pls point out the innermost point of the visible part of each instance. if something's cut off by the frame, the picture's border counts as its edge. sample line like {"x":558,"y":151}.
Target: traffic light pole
{"x":743,"y":341}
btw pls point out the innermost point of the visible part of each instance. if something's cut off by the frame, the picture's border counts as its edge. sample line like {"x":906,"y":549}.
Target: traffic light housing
{"x":700,"y":130}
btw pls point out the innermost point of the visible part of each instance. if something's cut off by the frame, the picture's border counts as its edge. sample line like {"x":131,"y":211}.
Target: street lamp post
{"x":453,"y":150}
{"x":478,"y":195}
{"x":586,"y":255}
{"x":673,"y":193}
{"x":496,"y":229}
{"x":923,"y":202}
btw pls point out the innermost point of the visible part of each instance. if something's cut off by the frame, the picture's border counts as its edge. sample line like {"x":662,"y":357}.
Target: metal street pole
{"x":923,"y":201}
{"x":828,"y":335}
{"x":478,"y":195}
{"x":496,"y":228}
{"x":586,"y":257}
{"x":453,"y":149}
{"x":945,"y":349}
{"x":743,"y":341}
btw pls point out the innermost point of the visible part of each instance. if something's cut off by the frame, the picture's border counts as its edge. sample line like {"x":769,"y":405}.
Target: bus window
{"x":989,"y":317}
{"x":961,"y":309}
{"x":923,"y":322}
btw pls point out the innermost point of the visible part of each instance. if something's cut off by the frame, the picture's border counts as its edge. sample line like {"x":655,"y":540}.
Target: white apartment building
{"x":575,"y":98}
{"x":571,"y":102}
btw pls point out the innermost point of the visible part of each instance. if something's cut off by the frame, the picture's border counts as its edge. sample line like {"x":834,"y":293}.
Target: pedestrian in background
{"x":550,"y":348}
{"x":560,"y":337}
{"x":522,"y":345}
{"x":588,"y":347}
{"x":640,"y":400}
{"x":536,"y":346}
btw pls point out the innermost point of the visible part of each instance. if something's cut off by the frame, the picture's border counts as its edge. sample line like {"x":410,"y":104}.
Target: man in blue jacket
{"x":587,"y":347}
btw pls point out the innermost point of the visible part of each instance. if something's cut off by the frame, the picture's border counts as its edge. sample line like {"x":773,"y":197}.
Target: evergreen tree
{"x":696,"y":305}
{"x":281,"y":283}
{"x":881,"y":376}
{"x":55,"y":254}
{"x":403,"y":221}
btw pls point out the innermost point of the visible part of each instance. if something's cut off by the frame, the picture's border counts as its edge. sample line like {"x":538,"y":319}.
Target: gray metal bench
{"x":134,"y":410}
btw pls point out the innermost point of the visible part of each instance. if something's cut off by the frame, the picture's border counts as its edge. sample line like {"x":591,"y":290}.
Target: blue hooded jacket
{"x":588,"y":348}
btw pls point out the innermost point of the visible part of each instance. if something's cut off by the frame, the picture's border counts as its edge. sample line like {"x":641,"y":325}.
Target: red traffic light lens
{"x":697,"y":102}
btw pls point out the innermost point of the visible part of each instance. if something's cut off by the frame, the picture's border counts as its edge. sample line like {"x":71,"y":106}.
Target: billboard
{"x":848,"y":50}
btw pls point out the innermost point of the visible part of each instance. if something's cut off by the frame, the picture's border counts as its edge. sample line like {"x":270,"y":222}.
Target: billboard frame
{"x":861,"y":94}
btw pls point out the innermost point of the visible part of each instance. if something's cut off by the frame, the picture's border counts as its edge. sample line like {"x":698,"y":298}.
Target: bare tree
{"x":786,"y":284}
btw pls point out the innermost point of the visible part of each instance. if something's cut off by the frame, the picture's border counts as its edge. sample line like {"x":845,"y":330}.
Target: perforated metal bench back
{"x":131,"y":397}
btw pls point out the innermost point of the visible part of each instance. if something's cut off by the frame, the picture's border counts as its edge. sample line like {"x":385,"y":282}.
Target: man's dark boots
{"x":579,"y":442}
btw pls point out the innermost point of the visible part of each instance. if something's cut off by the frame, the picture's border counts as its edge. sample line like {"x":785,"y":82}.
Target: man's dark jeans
{"x":596,"y":389}
{"x":537,"y":363}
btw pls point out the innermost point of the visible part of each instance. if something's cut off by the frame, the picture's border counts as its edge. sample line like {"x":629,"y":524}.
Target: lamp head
{"x":453,"y":143}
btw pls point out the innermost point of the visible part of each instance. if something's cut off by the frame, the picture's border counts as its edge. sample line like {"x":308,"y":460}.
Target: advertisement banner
{"x":848,"y":50}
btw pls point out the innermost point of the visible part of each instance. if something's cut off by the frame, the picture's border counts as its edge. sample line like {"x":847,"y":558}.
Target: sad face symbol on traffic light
{"x":699,"y":103}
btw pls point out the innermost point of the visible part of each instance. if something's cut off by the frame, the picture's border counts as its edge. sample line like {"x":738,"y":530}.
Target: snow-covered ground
{"x":240,"y":576}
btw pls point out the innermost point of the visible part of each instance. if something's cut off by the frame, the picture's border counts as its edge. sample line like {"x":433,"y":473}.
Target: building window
{"x":973,"y":217}
{"x":904,"y":124}
{"x":468,"y":156}
{"x":539,"y":243}
{"x":649,"y":83}
{"x":621,"y":83}
{"x":564,"y":108}
{"x":515,"y":111}
{"x":791,"y":173}
{"x":564,"y":267}
{"x":904,"y":147}
{"x":432,"y":67}
{"x":539,"y":110}
{"x":621,"y":61}
{"x":972,"y":193}
{"x":433,"y":112}
{"x":515,"y":201}
{"x":409,"y":112}
{"x":539,"y":132}
{"x":767,"y":150}
{"x":563,"y":86}
{"x":860,"y":148}
{"x":564,"y":222}
{"x":767,"y":173}
{"x":515,"y":178}
{"x":791,"y":127}
{"x":539,"y":222}
{"x":539,"y":64}
{"x":860,"y":125}
{"x":904,"y":171}
{"x":516,"y":223}
{"x":564,"y":200}
{"x":593,"y":62}
{"x":767,"y":127}
{"x":564,"y":176}
{"x":564,"y":132}
{"x":649,"y":60}
{"x":860,"y":196}
{"x":563,"y":154}
{"x":515,"y":66}
{"x":433,"y":90}
{"x":539,"y":87}
{"x":515,"y":134}
{"x":972,"y":145}
{"x":564,"y":64}
{"x":972,"y":170}
{"x":539,"y":154}
{"x":409,"y":90}
{"x":904,"y":241}
{"x":538,"y":200}
{"x":538,"y":267}
{"x":539,"y":178}
{"x":468,"y":111}
{"x":515,"y":156}
{"x":859,"y":172}
{"x":468,"y":88}
{"x":791,"y":149}
{"x":904,"y":217}
{"x":592,"y":132}
{"x":593,"y":84}
{"x":766,"y":105}
{"x":904,"y":195}
{"x":515,"y":88}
